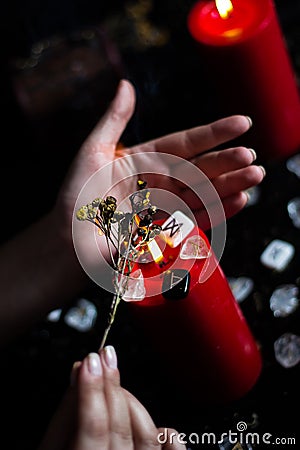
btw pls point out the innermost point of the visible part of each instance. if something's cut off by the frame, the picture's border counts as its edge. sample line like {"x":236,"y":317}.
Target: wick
{"x":163,"y":263}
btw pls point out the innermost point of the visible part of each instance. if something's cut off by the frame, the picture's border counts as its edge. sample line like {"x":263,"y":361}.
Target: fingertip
{"x":256,"y":174}
{"x":90,"y":368}
{"x":253,"y":153}
{"x":125,"y":91}
{"x":235,"y":203}
{"x":263,"y":171}
{"x":245,"y":198}
{"x":243,"y":123}
{"x":124,"y":83}
{"x":109,"y":357}
{"x":94,"y":364}
{"x":231,"y":127}
{"x":249,"y":121}
{"x":110,"y":127}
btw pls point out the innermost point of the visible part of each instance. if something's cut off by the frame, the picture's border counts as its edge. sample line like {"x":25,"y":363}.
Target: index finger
{"x":187,"y":144}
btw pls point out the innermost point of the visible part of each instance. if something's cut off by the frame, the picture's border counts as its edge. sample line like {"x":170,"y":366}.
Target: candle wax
{"x":203,"y":338}
{"x":206,"y":24}
{"x":246,"y":66}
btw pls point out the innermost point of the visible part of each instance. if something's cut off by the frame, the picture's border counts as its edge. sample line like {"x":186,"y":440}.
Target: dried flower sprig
{"x":127,"y":236}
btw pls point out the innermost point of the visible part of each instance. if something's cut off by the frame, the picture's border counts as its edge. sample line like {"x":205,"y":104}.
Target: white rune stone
{"x":284,"y":300}
{"x":176,"y":228}
{"x":241,"y":287}
{"x":254,"y":195}
{"x":293,"y":208}
{"x":293,"y":164}
{"x":287,"y":350}
{"x":82,"y":316}
{"x":194,"y":247}
{"x":134,"y":287}
{"x":277,"y":255}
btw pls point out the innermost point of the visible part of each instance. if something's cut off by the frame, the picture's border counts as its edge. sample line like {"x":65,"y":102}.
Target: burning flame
{"x":155,"y":251}
{"x":224,"y":8}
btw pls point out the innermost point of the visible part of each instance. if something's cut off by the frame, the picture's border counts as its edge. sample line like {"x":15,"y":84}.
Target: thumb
{"x":110,"y":127}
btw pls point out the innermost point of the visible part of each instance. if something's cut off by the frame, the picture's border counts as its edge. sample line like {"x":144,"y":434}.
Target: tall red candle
{"x":246,"y":59}
{"x":200,"y":334}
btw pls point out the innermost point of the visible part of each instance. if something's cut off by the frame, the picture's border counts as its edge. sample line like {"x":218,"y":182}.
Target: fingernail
{"x":253,"y":152}
{"x":94,"y":364}
{"x":250,"y":121}
{"x":263,"y":170}
{"x":247,"y":195}
{"x":74,"y":373}
{"x":110,"y":356}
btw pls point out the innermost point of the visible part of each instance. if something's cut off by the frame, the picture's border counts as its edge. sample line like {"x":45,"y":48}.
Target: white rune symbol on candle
{"x":175,"y":279}
{"x":176,"y":228}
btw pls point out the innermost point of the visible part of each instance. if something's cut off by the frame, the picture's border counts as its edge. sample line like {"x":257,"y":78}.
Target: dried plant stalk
{"x":134,"y":231}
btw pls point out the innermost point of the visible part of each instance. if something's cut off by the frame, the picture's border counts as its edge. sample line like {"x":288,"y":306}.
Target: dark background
{"x":153,"y":49}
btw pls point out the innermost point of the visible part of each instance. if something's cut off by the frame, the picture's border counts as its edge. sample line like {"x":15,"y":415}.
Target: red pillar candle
{"x":197,"y":326}
{"x":246,"y":59}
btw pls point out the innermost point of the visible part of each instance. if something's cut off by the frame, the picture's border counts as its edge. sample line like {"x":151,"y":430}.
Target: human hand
{"x":98,"y":413}
{"x":46,"y":250}
{"x":230,"y":171}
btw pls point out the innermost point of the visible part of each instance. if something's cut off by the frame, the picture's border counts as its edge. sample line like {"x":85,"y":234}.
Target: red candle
{"x":197,"y":327}
{"x":246,"y":59}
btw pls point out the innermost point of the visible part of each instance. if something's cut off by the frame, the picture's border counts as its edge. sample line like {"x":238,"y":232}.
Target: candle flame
{"x":155,"y":251}
{"x":224,"y":8}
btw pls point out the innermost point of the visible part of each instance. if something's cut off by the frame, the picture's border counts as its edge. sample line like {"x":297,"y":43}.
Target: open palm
{"x":229,"y":172}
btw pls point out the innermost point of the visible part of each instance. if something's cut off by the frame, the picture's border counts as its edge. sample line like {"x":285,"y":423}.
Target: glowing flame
{"x":155,"y":251}
{"x":224,"y":8}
